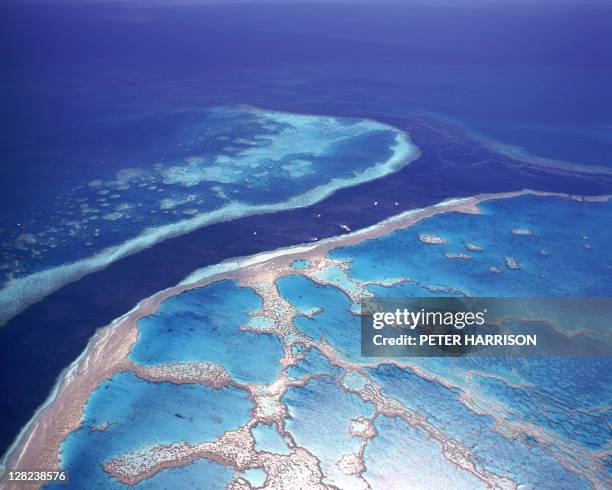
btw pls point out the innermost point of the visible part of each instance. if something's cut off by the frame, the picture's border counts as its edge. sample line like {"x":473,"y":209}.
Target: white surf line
{"x":19,"y":293}
{"x":207,"y":275}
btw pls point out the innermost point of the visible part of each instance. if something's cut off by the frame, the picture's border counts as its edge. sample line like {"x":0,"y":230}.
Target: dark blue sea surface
{"x":91,"y":90}
{"x":228,"y":162}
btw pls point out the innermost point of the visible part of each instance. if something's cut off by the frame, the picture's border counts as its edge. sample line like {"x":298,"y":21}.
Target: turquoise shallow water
{"x":127,"y":414}
{"x":554,"y":409}
{"x":202,"y":325}
{"x":402,"y":455}
{"x":323,"y":400}
{"x":255,"y":476}
{"x":313,"y":363}
{"x":267,"y":438}
{"x":558,"y":226}
{"x":202,"y":473}
{"x":441,"y":407}
{"x":561,"y":396}
{"x":63,"y":118}
{"x":334,"y":322}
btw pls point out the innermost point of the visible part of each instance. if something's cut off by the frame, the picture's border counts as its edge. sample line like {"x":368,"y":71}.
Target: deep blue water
{"x":106,"y":91}
{"x":227,"y":160}
{"x":97,"y":87}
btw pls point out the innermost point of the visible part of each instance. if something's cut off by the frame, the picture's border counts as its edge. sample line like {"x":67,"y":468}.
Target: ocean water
{"x":503,"y":456}
{"x":203,"y":325}
{"x":332,"y":310}
{"x":540,"y":422}
{"x":560,"y":396}
{"x":584,"y":387}
{"x":128,"y":414}
{"x":231,"y":162}
{"x":572,"y":235}
{"x":255,"y":476}
{"x":110,"y":93}
{"x":267,"y":438}
{"x":321,"y":400}
{"x":313,"y":363}
{"x":398,"y":449}
{"x":98,"y":298}
{"x":199,"y":474}
{"x":155,"y":147}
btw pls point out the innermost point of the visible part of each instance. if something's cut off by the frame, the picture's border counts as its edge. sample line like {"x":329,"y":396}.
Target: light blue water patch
{"x":556,"y":260}
{"x":267,"y":438}
{"x":127,"y":413}
{"x":434,"y":401}
{"x":334,"y":323}
{"x":202,"y":325}
{"x":313,"y":363}
{"x":323,"y":400}
{"x":564,"y":395}
{"x":255,"y":476}
{"x":402,"y":457}
{"x":411,"y":289}
{"x":300,"y":264}
{"x":580,"y":382}
{"x":336,"y":276}
{"x":294,"y":152}
{"x":354,"y":380}
{"x":583,"y":383}
{"x":525,"y":462}
{"x":261,"y":323}
{"x":570,"y":406}
{"x":297,"y":290}
{"x":297,"y":349}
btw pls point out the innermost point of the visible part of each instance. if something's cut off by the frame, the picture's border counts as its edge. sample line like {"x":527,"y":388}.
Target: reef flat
{"x":332,"y":417}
